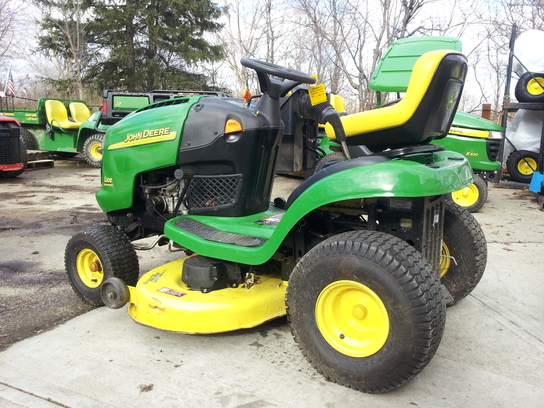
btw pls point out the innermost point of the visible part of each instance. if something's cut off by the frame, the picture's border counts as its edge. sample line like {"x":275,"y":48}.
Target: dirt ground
{"x":39,"y":212}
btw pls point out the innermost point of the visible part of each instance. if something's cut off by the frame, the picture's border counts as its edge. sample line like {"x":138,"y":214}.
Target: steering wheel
{"x":278,"y":71}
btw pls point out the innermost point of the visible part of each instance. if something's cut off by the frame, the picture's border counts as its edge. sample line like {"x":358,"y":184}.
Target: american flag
{"x":10,"y":86}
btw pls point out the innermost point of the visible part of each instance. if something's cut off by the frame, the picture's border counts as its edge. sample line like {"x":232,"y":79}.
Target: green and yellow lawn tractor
{"x":363,"y":256}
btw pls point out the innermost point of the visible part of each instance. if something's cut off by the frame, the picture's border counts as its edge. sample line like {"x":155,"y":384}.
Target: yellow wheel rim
{"x":445,"y":260}
{"x":467,"y":196}
{"x":527,"y":166}
{"x":352,"y":318}
{"x":535,"y":86}
{"x":95,"y":151}
{"x":89,"y":268}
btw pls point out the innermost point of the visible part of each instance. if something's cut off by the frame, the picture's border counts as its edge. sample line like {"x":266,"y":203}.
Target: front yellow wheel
{"x":89,"y":268}
{"x":352,"y":318}
{"x":96,"y":254}
{"x":464,"y":252}
{"x":472,"y":197}
{"x":92,"y":150}
{"x":467,"y":196}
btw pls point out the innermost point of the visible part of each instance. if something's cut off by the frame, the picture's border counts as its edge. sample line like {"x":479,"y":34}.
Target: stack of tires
{"x":523,"y":161}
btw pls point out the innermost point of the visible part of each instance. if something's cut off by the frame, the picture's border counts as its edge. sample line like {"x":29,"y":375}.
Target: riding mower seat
{"x":425,"y":113}
{"x":57,"y":116}
{"x":79,"y":112}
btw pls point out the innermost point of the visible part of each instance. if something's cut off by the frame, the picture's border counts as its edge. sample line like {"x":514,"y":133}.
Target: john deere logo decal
{"x":146,"y":136}
{"x":451,"y":99}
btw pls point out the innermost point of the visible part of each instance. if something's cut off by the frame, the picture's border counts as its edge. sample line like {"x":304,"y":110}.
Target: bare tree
{"x":252,"y":29}
{"x":8,"y":20}
{"x":353,"y":34}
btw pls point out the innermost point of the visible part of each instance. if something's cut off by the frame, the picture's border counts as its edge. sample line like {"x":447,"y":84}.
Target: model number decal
{"x":146,"y":136}
{"x":471,"y":154}
{"x":172,"y":292}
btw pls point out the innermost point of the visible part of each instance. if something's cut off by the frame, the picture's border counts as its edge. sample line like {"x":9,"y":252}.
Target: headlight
{"x":495,"y":134}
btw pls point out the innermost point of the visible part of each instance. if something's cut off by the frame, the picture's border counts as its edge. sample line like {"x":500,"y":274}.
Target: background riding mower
{"x":353,"y":256}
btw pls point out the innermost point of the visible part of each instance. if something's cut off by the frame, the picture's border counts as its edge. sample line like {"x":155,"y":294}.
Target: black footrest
{"x":211,"y":234}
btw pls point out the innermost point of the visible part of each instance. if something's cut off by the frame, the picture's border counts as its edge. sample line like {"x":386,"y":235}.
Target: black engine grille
{"x":213,"y":192}
{"x":493,"y":148}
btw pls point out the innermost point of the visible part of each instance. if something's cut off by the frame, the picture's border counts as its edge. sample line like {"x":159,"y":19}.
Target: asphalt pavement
{"x":491,"y":355}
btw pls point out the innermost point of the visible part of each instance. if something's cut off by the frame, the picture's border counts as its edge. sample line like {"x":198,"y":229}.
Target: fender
{"x":366,"y":177}
{"x":87,"y":129}
{"x":376,"y":176}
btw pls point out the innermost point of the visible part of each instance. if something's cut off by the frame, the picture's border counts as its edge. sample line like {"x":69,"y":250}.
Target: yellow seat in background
{"x":57,"y":115}
{"x":79,"y":111}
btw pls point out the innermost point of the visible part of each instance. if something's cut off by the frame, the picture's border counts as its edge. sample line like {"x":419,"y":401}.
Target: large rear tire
{"x":366,"y":309}
{"x":29,"y":139}
{"x":96,"y":254}
{"x":464,"y":252}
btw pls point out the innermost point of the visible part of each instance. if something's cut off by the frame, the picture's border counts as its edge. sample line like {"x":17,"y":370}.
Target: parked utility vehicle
{"x":60,"y":126}
{"x":353,"y":256}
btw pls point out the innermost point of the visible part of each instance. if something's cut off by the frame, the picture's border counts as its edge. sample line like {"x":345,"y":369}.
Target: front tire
{"x":96,"y":254}
{"x":92,"y":150}
{"x":464,"y":252}
{"x":473,"y":197}
{"x":366,"y":309}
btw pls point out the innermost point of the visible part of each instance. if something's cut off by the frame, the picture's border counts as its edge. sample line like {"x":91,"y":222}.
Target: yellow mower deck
{"x":160,"y":299}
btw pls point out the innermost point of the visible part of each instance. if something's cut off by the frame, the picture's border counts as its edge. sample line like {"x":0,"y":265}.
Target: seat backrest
{"x":55,"y":112}
{"x":79,"y":111}
{"x":395,"y":67}
{"x":425,"y":112}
